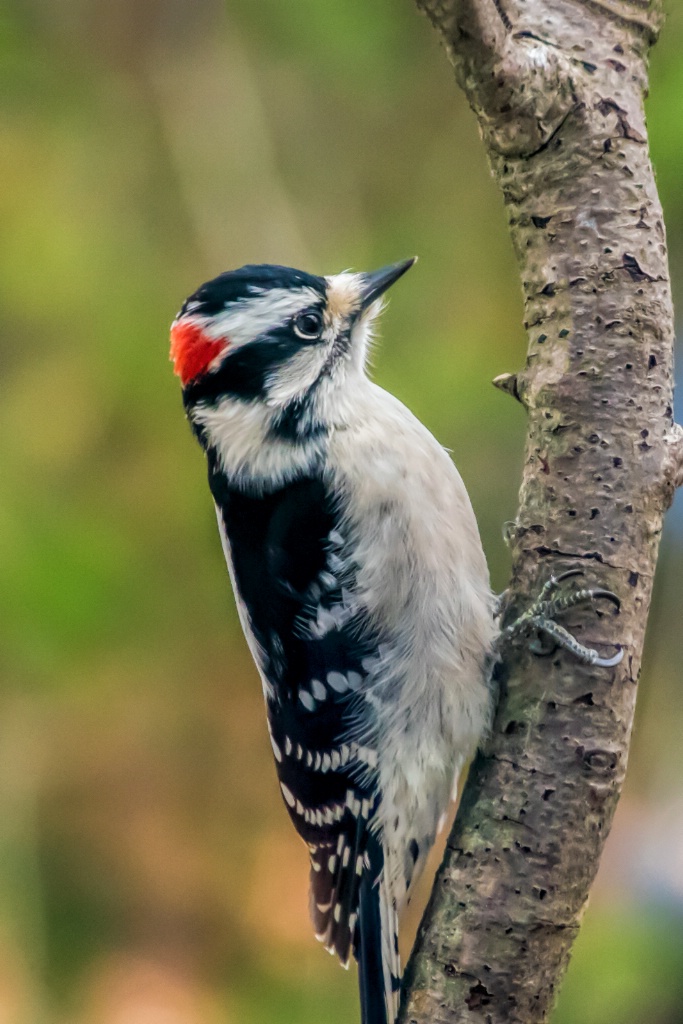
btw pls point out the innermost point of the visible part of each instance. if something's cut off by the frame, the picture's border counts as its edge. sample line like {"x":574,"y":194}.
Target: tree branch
{"x":646,"y":19}
{"x":557,"y":87}
{"x":476,"y":27}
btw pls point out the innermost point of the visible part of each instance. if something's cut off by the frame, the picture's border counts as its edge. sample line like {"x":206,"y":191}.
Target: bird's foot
{"x":539,"y":618}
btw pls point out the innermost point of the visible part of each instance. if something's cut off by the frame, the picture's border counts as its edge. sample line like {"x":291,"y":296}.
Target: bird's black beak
{"x":375,"y":284}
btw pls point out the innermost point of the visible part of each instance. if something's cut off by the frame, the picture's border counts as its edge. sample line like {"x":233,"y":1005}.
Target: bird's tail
{"x":379,"y":965}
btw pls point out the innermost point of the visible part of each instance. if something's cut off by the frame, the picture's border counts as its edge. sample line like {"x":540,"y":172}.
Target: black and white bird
{"x":360,"y":580}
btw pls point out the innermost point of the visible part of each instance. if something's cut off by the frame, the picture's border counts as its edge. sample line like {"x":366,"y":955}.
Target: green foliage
{"x":627,"y":968}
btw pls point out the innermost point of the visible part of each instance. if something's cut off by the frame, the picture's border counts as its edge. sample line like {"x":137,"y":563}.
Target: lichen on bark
{"x":558,"y":89}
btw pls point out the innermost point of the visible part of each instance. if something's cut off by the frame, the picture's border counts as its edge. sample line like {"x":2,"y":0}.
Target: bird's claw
{"x":540,"y":618}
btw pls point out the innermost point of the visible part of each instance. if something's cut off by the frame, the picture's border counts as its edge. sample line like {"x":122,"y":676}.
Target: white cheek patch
{"x":298,"y":375}
{"x":240,"y":433}
{"x":247,"y":319}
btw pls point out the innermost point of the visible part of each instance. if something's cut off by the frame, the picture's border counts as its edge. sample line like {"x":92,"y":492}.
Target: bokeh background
{"x":148,"y":872}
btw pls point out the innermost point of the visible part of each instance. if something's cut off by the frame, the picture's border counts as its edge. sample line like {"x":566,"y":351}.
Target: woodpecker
{"x":360,"y":581}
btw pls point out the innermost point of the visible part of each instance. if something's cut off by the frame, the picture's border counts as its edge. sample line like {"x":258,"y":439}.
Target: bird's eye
{"x":309,"y":325}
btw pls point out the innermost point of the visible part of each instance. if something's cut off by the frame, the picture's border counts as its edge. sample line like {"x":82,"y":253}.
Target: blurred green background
{"x":148,"y":872}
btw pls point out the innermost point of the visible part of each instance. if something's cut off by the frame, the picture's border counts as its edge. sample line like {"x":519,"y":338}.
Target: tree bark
{"x":558,"y":89}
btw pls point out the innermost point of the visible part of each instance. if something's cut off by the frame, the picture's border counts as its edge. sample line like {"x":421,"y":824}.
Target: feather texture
{"x":362,"y":589}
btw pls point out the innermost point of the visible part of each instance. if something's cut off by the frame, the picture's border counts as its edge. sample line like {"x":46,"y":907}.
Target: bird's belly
{"x":423,"y":751}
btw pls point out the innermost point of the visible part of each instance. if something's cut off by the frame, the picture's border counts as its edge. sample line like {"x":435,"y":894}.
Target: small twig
{"x":481,"y":26}
{"x":674,"y":441}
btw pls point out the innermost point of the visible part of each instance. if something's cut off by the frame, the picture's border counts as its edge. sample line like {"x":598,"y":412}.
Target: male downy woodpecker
{"x":361,"y":585}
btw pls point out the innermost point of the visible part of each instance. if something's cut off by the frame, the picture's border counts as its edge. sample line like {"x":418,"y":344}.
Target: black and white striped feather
{"x":315,"y":650}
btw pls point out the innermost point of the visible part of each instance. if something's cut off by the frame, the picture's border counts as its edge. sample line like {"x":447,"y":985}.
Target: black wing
{"x":298,"y":588}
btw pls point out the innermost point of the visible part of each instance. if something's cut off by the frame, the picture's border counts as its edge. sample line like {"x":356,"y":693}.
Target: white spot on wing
{"x":335,"y":563}
{"x":307,"y":700}
{"x":276,"y":749}
{"x":368,"y":756}
{"x":318,"y":690}
{"x":288,"y":795}
{"x":337,"y":681}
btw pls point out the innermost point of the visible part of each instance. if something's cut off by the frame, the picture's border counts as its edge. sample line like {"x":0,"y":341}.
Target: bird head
{"x":274,"y":334}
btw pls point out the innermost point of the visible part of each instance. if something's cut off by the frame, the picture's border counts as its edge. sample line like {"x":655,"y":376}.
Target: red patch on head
{"x":192,"y":351}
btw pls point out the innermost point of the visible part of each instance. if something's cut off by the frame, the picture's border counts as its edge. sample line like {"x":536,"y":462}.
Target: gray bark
{"x":558,"y":87}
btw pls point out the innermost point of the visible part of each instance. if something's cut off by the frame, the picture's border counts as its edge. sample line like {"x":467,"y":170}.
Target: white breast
{"x":424,"y":580}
